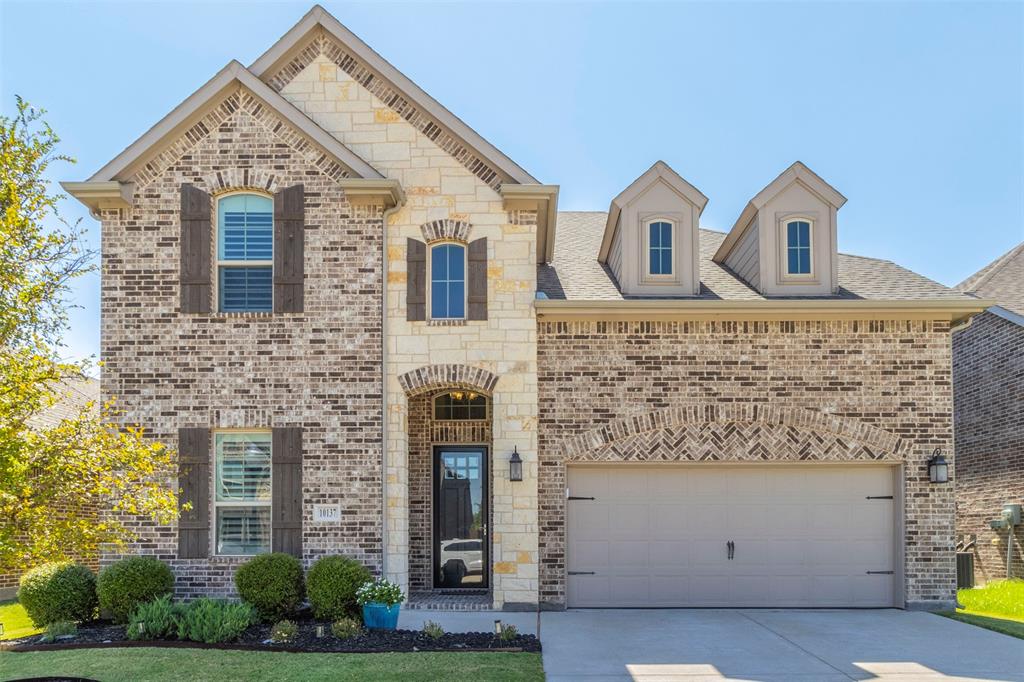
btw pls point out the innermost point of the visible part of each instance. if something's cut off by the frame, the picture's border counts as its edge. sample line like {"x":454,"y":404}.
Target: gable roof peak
{"x":319,"y":19}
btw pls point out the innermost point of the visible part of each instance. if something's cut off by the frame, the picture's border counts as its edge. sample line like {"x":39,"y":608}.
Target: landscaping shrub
{"x":157,"y":619}
{"x":62,"y":591}
{"x":62,"y":628}
{"x":124,"y":585}
{"x":284,"y":632}
{"x":508,"y":633}
{"x":273,"y":584}
{"x":433,"y":630}
{"x":331,"y":586}
{"x":344,"y":628}
{"x":213,"y":622}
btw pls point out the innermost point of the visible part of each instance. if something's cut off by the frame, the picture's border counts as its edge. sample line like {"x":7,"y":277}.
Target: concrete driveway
{"x":772,"y":645}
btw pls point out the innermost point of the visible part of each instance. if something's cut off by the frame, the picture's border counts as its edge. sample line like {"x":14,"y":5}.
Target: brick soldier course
{"x":368,"y":174}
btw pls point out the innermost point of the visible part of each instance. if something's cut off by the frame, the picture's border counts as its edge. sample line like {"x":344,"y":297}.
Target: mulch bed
{"x":255,"y":638}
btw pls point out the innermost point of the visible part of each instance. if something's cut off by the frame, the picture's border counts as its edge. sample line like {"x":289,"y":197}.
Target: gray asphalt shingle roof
{"x":1002,"y":281}
{"x":575,"y":273}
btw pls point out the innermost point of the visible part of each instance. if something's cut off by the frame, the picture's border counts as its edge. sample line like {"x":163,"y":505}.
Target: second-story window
{"x":659,"y":248}
{"x":798,"y":247}
{"x":245,"y":253}
{"x":448,"y":281}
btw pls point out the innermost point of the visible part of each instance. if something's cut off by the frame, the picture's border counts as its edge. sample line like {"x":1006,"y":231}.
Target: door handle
{"x":730,"y":548}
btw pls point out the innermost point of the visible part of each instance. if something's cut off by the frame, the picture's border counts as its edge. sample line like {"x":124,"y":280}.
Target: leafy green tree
{"x":53,"y":477}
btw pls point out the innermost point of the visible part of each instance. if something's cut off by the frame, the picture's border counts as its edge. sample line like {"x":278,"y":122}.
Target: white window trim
{"x":218,"y":263}
{"x":430,"y":278}
{"x":645,"y":240}
{"x":785,"y":276}
{"x":244,"y":504}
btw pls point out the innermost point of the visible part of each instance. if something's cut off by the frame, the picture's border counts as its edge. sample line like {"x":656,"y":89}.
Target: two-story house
{"x":369,"y":332}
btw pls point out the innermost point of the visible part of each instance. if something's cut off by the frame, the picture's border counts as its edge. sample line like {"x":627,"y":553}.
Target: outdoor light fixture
{"x":515,"y":466}
{"x":938,"y":469}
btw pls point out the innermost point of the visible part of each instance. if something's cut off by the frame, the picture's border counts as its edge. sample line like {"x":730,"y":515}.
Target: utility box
{"x":1011,"y":512}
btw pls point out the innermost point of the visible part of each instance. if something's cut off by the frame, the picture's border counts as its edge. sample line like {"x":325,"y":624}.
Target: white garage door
{"x":711,"y":535}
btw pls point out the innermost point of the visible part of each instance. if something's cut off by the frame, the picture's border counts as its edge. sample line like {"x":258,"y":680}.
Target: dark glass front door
{"x":460,"y":517}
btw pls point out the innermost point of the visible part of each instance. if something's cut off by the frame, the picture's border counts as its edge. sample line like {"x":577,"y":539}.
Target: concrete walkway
{"x":773,"y":645}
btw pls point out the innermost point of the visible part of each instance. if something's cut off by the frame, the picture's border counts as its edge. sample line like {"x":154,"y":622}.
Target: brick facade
{"x":319,"y":370}
{"x":988,"y":386}
{"x":874,"y":390}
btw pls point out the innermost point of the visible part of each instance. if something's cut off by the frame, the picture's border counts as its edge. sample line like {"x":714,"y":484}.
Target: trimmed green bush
{"x":273,"y":584}
{"x":61,"y":591}
{"x":123,"y":585}
{"x":332,"y":583}
{"x":157,"y":619}
{"x":213,"y":621}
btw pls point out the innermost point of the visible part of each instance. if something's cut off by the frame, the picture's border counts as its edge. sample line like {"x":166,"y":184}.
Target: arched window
{"x":798,"y":247}
{"x":448,"y":281}
{"x":460,"y":405}
{"x":245,"y":253}
{"x":659,"y":247}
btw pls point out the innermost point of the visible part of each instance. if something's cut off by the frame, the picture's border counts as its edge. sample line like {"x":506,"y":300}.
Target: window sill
{"x":447,"y":322}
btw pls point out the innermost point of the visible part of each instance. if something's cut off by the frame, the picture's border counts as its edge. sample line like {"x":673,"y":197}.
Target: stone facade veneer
{"x":751,"y":391}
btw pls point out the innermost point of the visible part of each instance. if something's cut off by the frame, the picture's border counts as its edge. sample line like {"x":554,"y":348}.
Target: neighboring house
{"x":354,"y":316}
{"x":76,"y":393}
{"x":988,"y":389}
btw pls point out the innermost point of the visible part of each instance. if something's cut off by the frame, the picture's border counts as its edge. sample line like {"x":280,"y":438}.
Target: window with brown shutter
{"x":416,"y":280}
{"x":476,"y":281}
{"x":289,"y":248}
{"x":194,"y":481}
{"x":194,"y":272}
{"x":286,"y":495}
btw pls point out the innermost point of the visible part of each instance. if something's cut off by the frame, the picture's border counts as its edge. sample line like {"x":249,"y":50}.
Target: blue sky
{"x":914,"y":111}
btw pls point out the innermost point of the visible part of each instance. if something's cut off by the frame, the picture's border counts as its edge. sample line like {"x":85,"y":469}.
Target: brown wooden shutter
{"x":194,"y":481}
{"x":286,"y":493}
{"x":476,"y":281}
{"x":194,"y":273}
{"x":289,"y":248}
{"x":416,"y":280}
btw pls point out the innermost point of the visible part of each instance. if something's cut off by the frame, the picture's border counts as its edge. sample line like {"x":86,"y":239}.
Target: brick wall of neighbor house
{"x":319,"y":369}
{"x":442,"y":181}
{"x":988,"y":389}
{"x":757,"y":391}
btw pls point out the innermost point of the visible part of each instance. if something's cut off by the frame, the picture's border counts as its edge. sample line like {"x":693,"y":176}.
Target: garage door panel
{"x":804,"y":535}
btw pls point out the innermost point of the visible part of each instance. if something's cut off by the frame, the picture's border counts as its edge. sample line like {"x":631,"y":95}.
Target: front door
{"x":460,"y":517}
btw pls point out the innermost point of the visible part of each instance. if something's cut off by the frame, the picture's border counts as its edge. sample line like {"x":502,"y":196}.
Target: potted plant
{"x":381,"y":600}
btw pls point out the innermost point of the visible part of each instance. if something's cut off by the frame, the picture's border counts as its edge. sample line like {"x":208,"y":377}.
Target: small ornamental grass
{"x":998,"y":598}
{"x":59,"y":630}
{"x":508,"y":633}
{"x":157,"y":619}
{"x":284,"y":632}
{"x":123,"y":585}
{"x":62,"y":591}
{"x":213,"y":621}
{"x":380,"y":591}
{"x":331,"y":586}
{"x":433,"y":630}
{"x":273,"y":584}
{"x":346,"y":628}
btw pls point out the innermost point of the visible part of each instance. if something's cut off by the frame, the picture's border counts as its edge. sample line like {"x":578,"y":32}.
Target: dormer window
{"x":659,"y":248}
{"x":798,"y":247}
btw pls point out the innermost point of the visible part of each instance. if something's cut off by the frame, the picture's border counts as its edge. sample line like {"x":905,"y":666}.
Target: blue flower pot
{"x":380,"y":616}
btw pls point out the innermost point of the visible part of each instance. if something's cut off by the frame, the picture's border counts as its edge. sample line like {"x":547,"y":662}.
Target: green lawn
{"x":998,"y":606}
{"x":16,"y":622}
{"x":199,"y":665}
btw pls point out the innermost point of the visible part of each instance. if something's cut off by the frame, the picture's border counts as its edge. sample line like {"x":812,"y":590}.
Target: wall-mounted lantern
{"x":938,"y":469}
{"x":515,"y":466}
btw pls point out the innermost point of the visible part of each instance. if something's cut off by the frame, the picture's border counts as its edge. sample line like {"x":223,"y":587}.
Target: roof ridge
{"x":993,"y":267}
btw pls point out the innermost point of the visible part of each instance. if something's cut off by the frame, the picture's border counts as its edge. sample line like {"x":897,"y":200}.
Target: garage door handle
{"x":581,"y":573}
{"x":580,"y":498}
{"x":879,"y":572}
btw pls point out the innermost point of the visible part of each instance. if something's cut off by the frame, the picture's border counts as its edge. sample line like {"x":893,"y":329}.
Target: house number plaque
{"x":326,"y":513}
